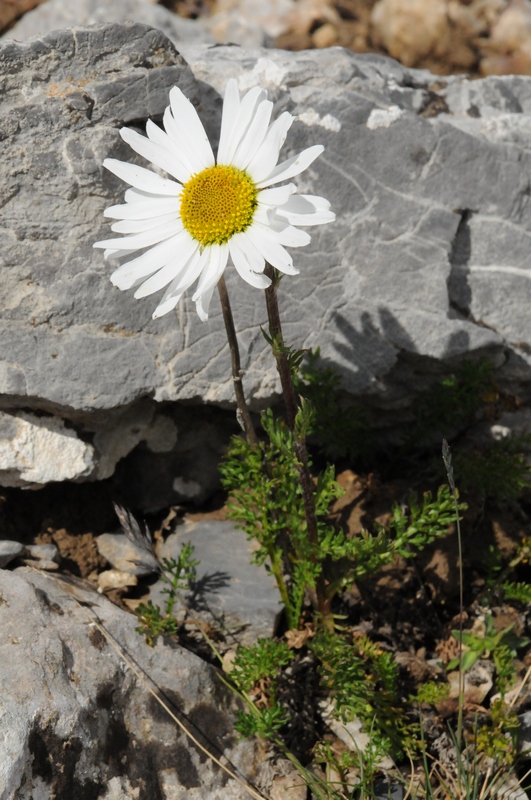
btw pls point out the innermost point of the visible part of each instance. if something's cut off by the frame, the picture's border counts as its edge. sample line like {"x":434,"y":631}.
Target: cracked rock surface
{"x":76,"y":722}
{"x":427,"y":262}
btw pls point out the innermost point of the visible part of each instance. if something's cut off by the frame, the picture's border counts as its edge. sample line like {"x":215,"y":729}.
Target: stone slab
{"x":76,"y":722}
{"x":426,"y":265}
{"x":229,"y":592}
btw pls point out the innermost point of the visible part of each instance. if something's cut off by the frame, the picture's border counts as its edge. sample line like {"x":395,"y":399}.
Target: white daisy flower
{"x":188,"y":227}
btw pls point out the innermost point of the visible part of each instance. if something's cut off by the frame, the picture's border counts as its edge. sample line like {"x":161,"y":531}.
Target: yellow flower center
{"x":217,"y":203}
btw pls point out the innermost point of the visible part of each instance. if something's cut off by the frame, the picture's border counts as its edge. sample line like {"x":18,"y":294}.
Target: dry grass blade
{"x":140,"y":538}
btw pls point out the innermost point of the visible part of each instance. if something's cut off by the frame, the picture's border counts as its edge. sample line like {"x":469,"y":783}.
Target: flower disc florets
{"x":217,"y":203}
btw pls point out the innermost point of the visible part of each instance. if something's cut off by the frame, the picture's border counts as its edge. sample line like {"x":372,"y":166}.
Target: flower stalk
{"x":243,"y":414}
{"x":319,"y":596}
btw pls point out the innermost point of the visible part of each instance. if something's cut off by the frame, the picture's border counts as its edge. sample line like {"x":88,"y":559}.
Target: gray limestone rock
{"x":75,"y":720}
{"x":229,"y":592}
{"x":425,"y":266}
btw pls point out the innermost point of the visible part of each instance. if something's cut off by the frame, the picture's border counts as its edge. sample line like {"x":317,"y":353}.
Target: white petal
{"x":113,"y":253}
{"x":293,"y":166}
{"x":145,"y":239}
{"x":148,"y":263}
{"x":219,"y":254}
{"x":231,"y":106}
{"x":305,"y":209}
{"x":267,"y":155}
{"x":140,"y":225}
{"x":193,"y":270}
{"x":203,"y":304}
{"x":254,"y":136}
{"x":159,"y":280}
{"x":191,"y":128}
{"x":133,"y":196}
{"x":264,"y":214}
{"x":293,"y":237}
{"x":179,"y":143}
{"x":277,"y":196}
{"x":155,"y":153}
{"x":142,"y":178}
{"x":167,"y":304}
{"x":244,"y":269}
{"x":186,"y":276}
{"x":243,"y":120}
{"x":254,"y":257}
{"x":159,"y":136}
{"x":264,"y":241}
{"x":143,"y":210}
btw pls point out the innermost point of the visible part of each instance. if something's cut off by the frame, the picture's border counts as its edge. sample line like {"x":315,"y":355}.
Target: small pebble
{"x":122,"y":554}
{"x":37,"y":563}
{"x":115,"y":579}
{"x":325,"y":36}
{"x":45,"y":552}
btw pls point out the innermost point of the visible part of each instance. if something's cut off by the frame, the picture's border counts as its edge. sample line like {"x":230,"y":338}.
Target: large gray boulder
{"x":426,"y":264}
{"x":75,"y":721}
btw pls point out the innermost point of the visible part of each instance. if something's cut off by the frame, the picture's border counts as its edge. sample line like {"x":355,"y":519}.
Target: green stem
{"x":319,"y":597}
{"x":276,"y":569}
{"x":447,"y":458}
{"x":244,"y":416}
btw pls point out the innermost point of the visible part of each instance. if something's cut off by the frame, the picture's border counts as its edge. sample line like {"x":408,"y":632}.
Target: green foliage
{"x":176,"y":574}
{"x":362,"y":680}
{"x":502,"y":645}
{"x":517,"y":591}
{"x":497,"y":571}
{"x":426,"y":521}
{"x":338,"y":429}
{"x":265,"y":722}
{"x":262,"y":661}
{"x":411,"y":529}
{"x":279,"y":347}
{"x":365,"y":764}
{"x":153,"y":623}
{"x":498,"y":471}
{"x":498,"y":739}
{"x":431,"y":692}
{"x":266,"y":499}
{"x":255,"y":665}
{"x":454,"y":401}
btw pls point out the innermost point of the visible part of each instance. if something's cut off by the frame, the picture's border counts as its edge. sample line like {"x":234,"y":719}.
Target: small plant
{"x":497,"y":643}
{"x":255,"y":674}
{"x":517,"y":591}
{"x":454,"y":401}
{"x":153,"y":623}
{"x":337,"y":429}
{"x":176,"y":574}
{"x":432,"y":692}
{"x":362,"y":682}
{"x":498,"y":471}
{"x":497,"y":740}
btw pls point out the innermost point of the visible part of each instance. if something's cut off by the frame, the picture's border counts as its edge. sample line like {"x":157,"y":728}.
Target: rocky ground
{"x":478,"y":37}
{"x":99,"y":405}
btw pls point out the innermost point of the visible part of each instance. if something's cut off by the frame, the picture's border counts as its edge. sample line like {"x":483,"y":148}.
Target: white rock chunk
{"x":38,"y":450}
